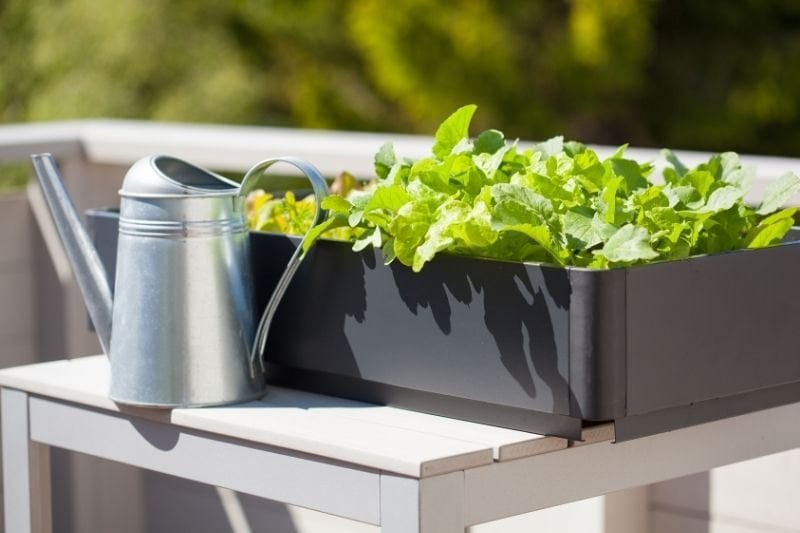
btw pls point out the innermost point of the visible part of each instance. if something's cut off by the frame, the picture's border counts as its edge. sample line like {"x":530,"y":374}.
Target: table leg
{"x":26,"y":470}
{"x":428,"y":505}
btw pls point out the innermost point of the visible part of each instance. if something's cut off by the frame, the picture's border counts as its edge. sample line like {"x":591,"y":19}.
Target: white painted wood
{"x":84,"y":380}
{"x":26,"y":470}
{"x":399,"y":504}
{"x":764,"y":490}
{"x":400,"y":450}
{"x":442,"y":504}
{"x":375,"y":446}
{"x":121,"y":142}
{"x":19,"y":141}
{"x":271,"y":473}
{"x":240,"y":147}
{"x":595,"y":434}
{"x":506,"y":444}
{"x":506,"y":489}
{"x":431,"y":505}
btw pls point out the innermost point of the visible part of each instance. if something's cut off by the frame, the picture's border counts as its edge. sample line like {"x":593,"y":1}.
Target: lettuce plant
{"x":557,"y":203}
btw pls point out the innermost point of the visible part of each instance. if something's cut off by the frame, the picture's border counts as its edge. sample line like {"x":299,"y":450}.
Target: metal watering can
{"x":179,"y":330}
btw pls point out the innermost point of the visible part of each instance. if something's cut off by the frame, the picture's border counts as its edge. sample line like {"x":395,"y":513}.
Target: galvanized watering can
{"x":179,"y":330}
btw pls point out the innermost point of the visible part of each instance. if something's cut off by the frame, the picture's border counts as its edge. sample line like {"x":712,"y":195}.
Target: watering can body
{"x":179,"y":330}
{"x":183,"y":306}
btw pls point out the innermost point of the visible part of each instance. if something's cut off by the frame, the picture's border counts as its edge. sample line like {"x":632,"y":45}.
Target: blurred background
{"x":711,"y":75}
{"x":706,"y":75}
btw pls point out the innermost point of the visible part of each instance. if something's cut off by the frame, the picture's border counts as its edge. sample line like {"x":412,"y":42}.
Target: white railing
{"x":237,"y":148}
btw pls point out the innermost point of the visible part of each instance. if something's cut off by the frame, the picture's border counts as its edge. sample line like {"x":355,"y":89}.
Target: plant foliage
{"x":557,"y":203}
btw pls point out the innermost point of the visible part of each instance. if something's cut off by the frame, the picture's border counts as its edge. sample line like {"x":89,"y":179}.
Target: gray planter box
{"x":539,"y":348}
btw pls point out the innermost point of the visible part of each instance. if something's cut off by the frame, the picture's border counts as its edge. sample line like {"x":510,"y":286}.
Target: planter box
{"x":539,"y":348}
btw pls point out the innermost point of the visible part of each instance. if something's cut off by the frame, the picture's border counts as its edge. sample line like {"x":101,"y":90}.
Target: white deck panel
{"x":385,"y":438}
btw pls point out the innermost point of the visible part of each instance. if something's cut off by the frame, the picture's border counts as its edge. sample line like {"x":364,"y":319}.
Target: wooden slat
{"x":403,"y":451}
{"x":595,"y":434}
{"x":376,"y":446}
{"x":506,"y":444}
{"x":84,"y":380}
{"x":508,"y":489}
{"x":287,"y":476}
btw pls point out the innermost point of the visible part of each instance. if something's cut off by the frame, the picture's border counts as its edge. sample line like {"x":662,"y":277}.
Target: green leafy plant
{"x":290,"y":215}
{"x":556,"y":203}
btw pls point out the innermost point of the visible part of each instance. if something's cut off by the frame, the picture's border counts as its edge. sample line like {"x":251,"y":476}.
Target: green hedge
{"x":706,"y":75}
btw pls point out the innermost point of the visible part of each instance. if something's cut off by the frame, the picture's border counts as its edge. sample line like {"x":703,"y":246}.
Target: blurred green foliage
{"x":715,"y":75}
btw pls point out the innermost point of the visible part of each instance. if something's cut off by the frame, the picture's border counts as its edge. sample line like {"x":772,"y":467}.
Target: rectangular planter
{"x":535,"y":347}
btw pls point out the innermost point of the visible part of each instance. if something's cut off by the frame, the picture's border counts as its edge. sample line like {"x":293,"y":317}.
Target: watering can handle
{"x":320,"y":187}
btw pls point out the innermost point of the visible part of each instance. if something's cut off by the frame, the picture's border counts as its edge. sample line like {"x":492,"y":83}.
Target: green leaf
{"x":336,"y":204}
{"x":390,"y":197}
{"x":701,"y":180}
{"x":683,"y":195}
{"x":628,"y":245}
{"x":772,"y":229}
{"x":632,"y":173}
{"x":453,"y":130}
{"x":676,"y":163}
{"x":620,"y":151}
{"x":489,"y":142}
{"x":609,"y":197}
{"x":736,"y":174}
{"x":476,"y":230}
{"x":589,"y":230}
{"x":722,"y":199}
{"x":515,"y":204}
{"x":317,"y":231}
{"x":550,"y":147}
{"x":779,"y":192}
{"x":362,"y":243}
{"x":574,"y":148}
{"x":388,"y":251}
{"x":489,"y":163}
{"x":384,"y":160}
{"x":540,"y":235}
{"x":409,"y":228}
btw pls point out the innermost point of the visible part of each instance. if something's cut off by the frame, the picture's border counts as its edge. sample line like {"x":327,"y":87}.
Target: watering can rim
{"x":147,"y":179}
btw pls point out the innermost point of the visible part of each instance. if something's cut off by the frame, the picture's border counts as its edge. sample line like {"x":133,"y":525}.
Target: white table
{"x":407,"y":472}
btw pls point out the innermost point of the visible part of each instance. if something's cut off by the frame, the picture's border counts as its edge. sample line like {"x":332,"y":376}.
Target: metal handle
{"x":320,"y":187}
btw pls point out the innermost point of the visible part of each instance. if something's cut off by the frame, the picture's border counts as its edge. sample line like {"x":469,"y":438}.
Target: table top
{"x":380,"y":437}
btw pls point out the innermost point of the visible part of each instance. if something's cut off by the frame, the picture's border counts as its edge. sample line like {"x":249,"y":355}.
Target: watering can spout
{"x":83,"y":257}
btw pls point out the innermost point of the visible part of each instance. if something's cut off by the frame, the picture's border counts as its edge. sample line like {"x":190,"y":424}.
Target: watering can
{"x":179,"y":330}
